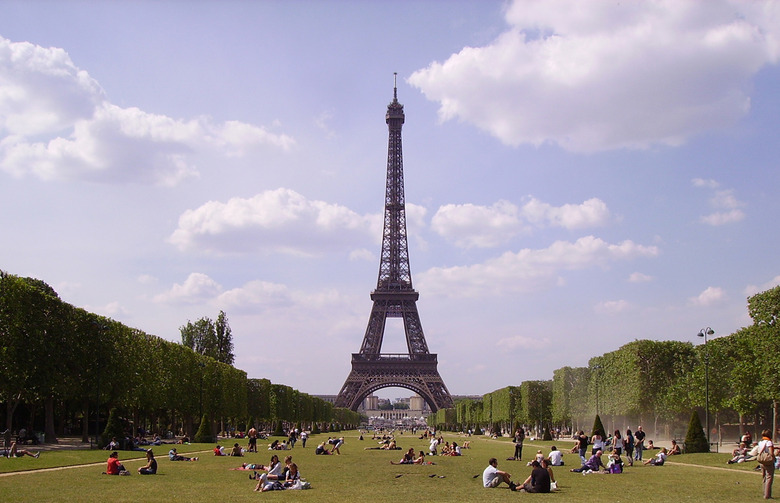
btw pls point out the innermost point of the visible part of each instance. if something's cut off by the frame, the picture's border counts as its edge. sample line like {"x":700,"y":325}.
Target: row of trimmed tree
{"x":76,"y":366}
{"x":653,"y":382}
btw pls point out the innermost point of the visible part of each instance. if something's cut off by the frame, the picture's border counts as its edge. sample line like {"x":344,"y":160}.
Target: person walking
{"x":628,"y":445}
{"x":767,"y":470}
{"x":639,"y":443}
{"x":519,"y":438}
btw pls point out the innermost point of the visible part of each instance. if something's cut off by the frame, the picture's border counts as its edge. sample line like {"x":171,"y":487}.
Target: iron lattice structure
{"x":394,"y":297}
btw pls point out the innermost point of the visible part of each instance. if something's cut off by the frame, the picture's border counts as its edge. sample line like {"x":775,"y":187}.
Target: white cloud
{"x":612,"y":306}
{"x":470,"y":225}
{"x":598,"y":75}
{"x":254,"y":295}
{"x":638,"y":277}
{"x":709,"y":184}
{"x":754,"y":289}
{"x":59,"y":125}
{"x":528,"y":270}
{"x":729,"y":206}
{"x":711,"y":296}
{"x":280,"y":220}
{"x":198,"y":287}
{"x":591,"y":213}
{"x":41,"y":90}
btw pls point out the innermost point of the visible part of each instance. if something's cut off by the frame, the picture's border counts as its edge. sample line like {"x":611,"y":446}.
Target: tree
{"x":598,"y":427}
{"x":224,"y":341}
{"x":200,"y":336}
{"x":764,"y":307}
{"x":209,"y":338}
{"x":695,"y":440}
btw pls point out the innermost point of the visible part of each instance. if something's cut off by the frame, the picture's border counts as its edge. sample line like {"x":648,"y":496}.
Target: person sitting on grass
{"x":151,"y":464}
{"x":659,"y":458}
{"x":322,"y":449}
{"x":236,"y":450}
{"x":538,"y":481}
{"x":14,"y":452}
{"x":555,"y":457}
{"x":593,"y":464}
{"x":739,"y":455}
{"x":675,"y":450}
{"x":276,"y":473}
{"x":114,"y":467}
{"x":292,"y":480}
{"x":219,"y":451}
{"x":408,"y":458}
{"x":455,"y":450}
{"x":615,"y":463}
{"x":174,"y":456}
{"x":492,"y":476}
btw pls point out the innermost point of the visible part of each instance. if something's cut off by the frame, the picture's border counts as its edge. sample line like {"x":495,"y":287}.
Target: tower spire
{"x":394,"y":297}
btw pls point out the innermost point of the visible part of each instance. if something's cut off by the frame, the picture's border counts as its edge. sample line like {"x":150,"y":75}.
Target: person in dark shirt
{"x":538,"y":481}
{"x":151,"y":464}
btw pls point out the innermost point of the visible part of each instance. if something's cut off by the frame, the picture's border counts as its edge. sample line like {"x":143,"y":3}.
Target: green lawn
{"x":367,"y":476}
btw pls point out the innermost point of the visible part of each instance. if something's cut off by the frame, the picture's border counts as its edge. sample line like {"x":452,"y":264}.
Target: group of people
{"x":541,"y":479}
{"x":277,"y":477}
{"x":336,"y":444}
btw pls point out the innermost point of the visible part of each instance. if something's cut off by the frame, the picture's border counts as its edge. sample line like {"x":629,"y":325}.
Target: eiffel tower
{"x":394,"y":297}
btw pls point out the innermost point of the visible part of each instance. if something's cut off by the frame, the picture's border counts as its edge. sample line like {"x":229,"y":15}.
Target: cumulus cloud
{"x":58,"y":124}
{"x":711,"y":296}
{"x":528,"y":270}
{"x":255,"y":294}
{"x":727,"y":206}
{"x":638,"y":277}
{"x":600,"y":75}
{"x":591,"y":213}
{"x":280,"y":220}
{"x":198,"y":287}
{"x":470,"y":225}
{"x":709,"y":183}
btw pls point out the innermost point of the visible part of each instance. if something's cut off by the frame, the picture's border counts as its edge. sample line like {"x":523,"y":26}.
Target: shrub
{"x":203,"y":435}
{"x":598,"y":427}
{"x":695,"y":439}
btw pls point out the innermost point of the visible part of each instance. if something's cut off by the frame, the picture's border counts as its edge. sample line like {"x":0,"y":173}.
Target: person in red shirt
{"x":113,"y":466}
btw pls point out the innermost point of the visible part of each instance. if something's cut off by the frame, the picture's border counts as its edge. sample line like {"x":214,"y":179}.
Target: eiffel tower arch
{"x":394,"y":297}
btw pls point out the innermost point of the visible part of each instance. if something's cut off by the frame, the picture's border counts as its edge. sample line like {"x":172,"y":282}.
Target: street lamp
{"x":704,"y":332}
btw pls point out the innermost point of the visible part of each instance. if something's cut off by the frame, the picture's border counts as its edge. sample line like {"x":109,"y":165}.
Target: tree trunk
{"x":49,"y":435}
{"x":85,"y":422}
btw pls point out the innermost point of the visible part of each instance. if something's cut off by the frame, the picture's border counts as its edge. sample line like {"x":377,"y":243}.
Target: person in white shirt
{"x":492,"y":476}
{"x":659,"y":458}
{"x":555,"y":457}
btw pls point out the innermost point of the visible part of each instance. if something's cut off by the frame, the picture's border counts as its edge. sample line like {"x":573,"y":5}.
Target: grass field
{"x":367,"y":476}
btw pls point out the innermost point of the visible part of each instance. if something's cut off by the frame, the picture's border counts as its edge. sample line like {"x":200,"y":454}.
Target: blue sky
{"x":578,"y":174}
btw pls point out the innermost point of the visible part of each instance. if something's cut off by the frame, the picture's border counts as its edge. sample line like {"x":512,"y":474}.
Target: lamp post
{"x":704,"y":332}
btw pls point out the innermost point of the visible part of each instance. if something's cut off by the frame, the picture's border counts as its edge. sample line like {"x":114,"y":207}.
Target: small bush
{"x":695,"y":439}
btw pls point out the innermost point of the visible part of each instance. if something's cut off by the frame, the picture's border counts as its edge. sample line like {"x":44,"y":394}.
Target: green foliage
{"x":279,"y":429}
{"x":113,"y":429}
{"x":764,"y":307}
{"x":695,"y":439}
{"x":598,"y":427}
{"x":203,"y":435}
